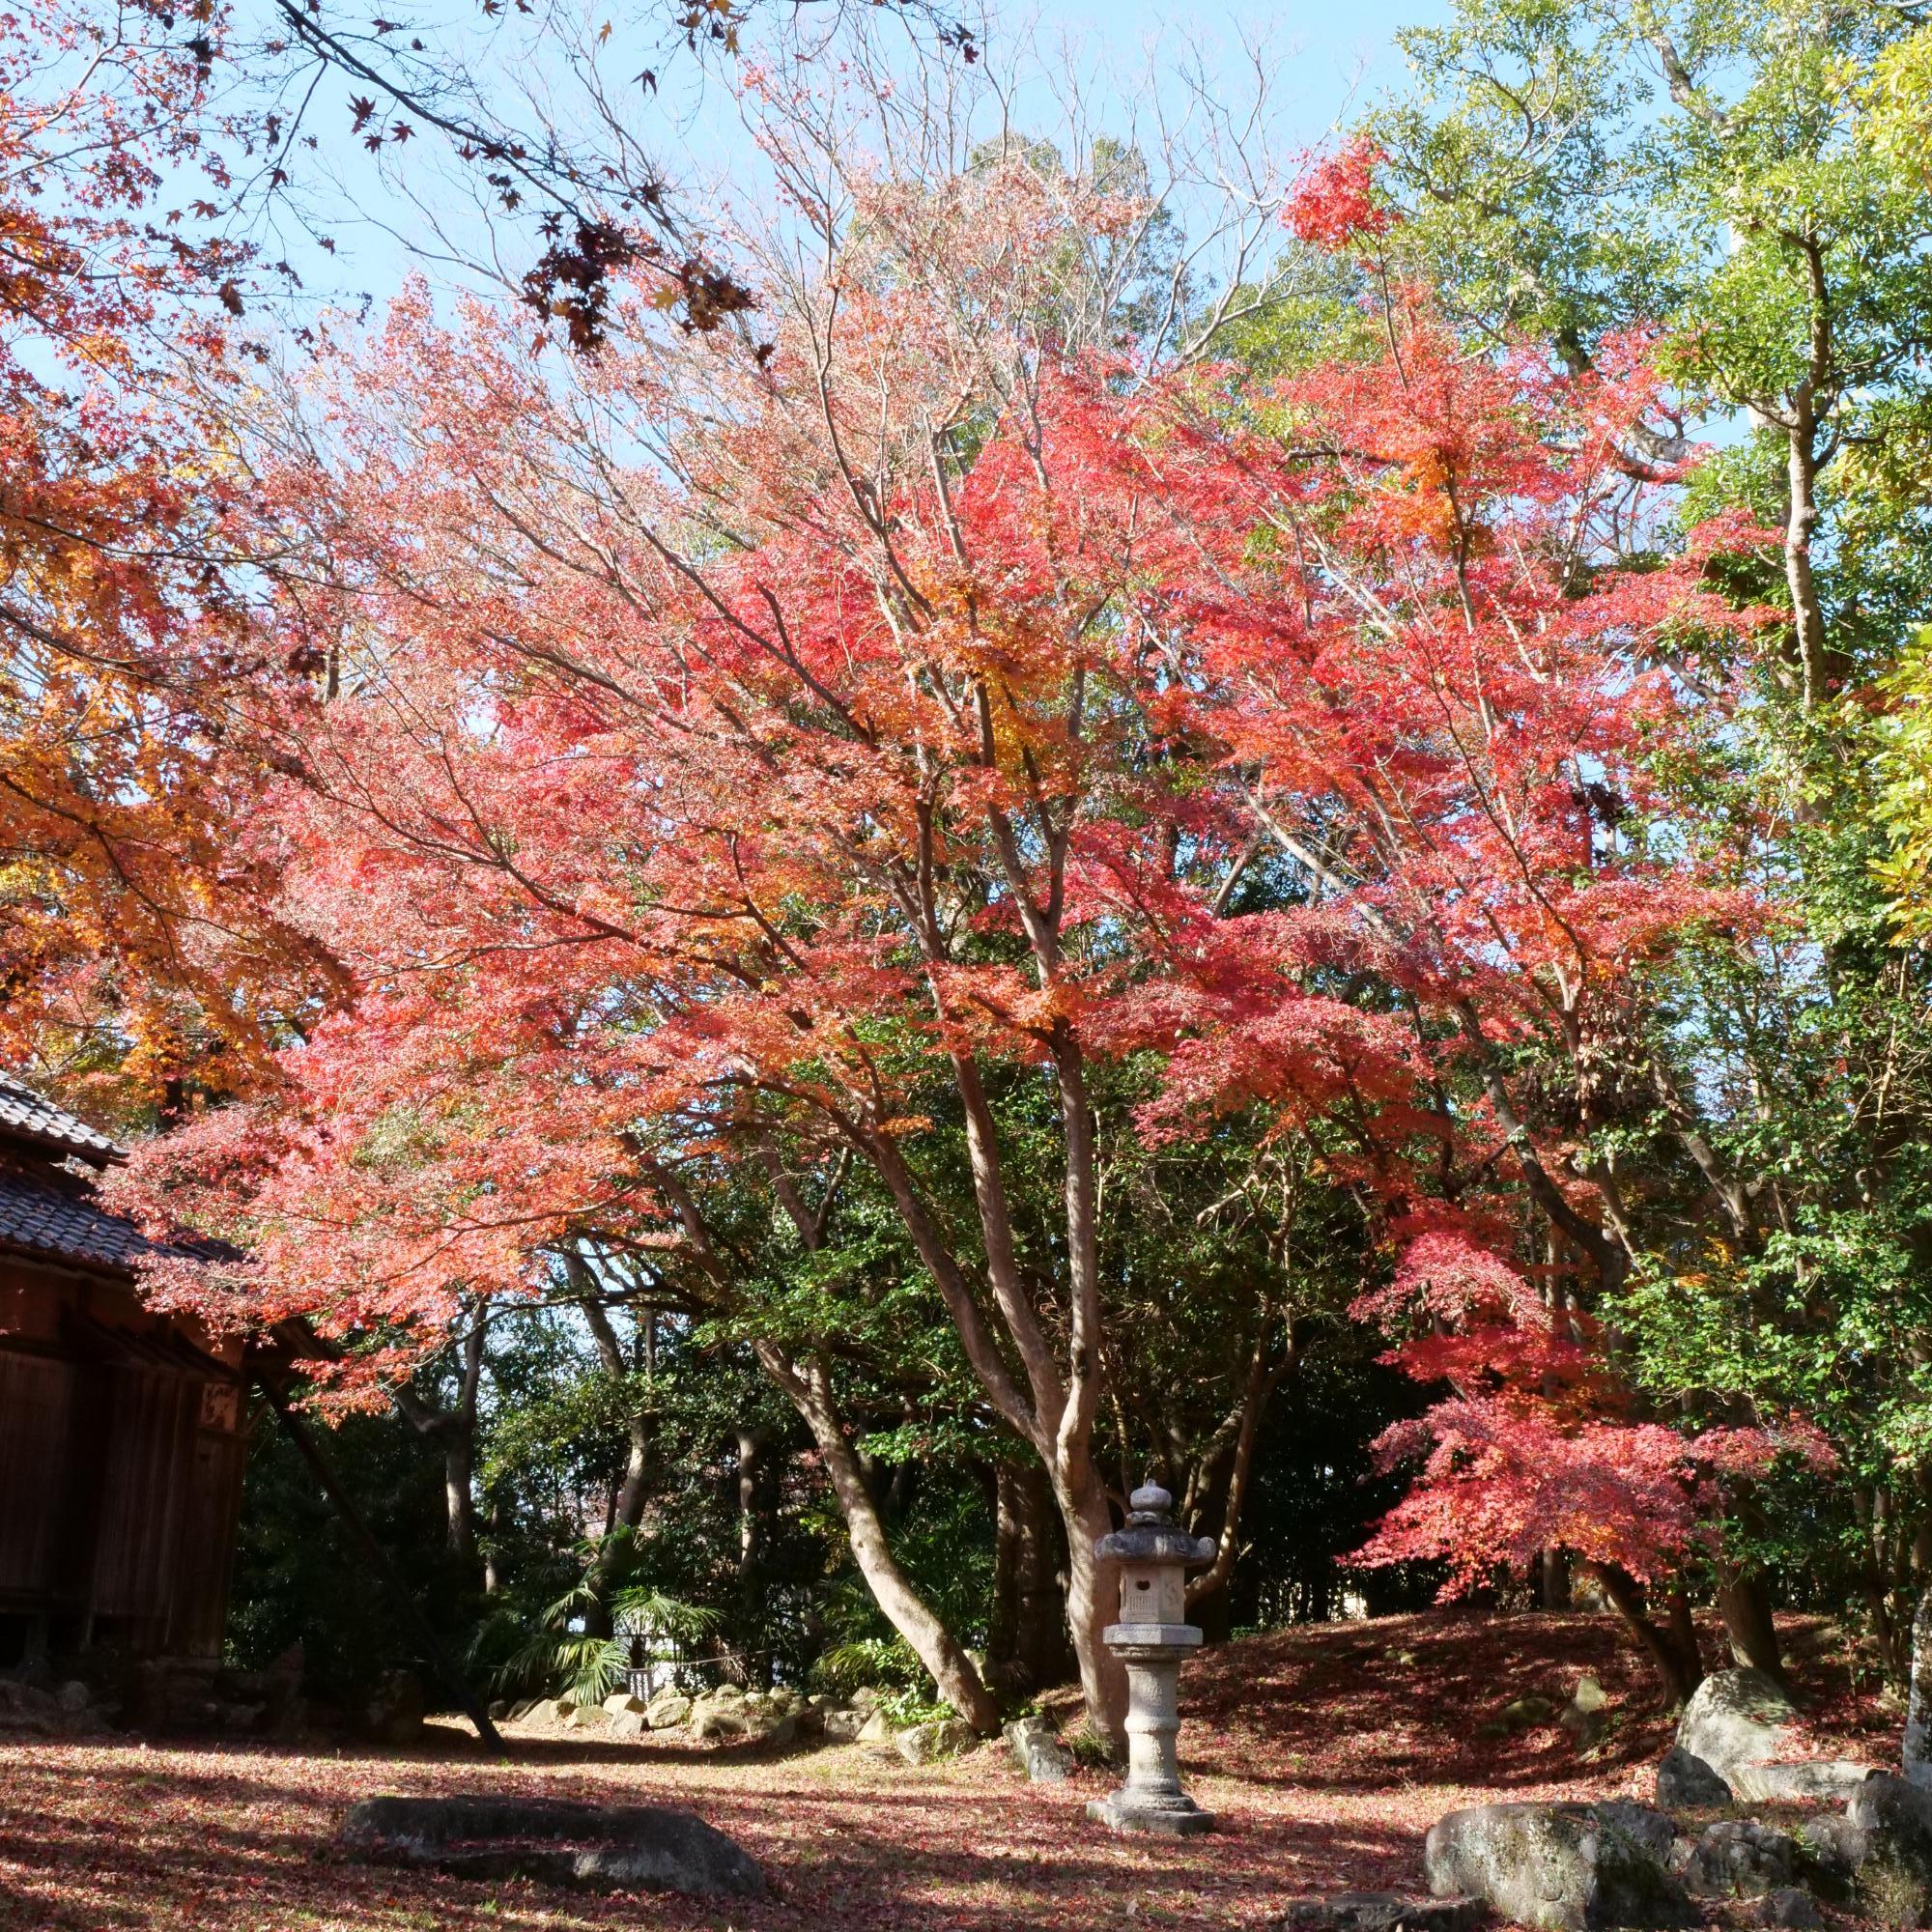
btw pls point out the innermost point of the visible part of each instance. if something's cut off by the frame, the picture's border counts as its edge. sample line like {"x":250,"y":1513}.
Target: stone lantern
{"x":1150,"y":1638}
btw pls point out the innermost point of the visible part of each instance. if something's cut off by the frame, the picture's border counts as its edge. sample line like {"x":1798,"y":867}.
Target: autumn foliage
{"x":126,"y":904}
{"x":718,"y":757}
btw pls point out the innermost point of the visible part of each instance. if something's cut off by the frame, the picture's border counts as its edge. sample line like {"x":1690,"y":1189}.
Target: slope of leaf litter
{"x":1326,"y":1752}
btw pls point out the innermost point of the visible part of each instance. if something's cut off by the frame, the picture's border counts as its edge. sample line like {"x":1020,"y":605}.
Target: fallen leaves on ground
{"x":1325,"y":1752}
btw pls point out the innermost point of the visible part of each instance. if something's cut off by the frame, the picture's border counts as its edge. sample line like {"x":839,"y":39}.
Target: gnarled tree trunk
{"x":1673,"y":1647}
{"x":808,"y":1385}
{"x":1744,"y":1602}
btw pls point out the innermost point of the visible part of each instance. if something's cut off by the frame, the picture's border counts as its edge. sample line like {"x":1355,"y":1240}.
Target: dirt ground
{"x":1324,"y":1751}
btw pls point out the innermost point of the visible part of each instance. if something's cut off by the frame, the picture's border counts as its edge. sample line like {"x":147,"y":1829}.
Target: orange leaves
{"x":130,"y":856}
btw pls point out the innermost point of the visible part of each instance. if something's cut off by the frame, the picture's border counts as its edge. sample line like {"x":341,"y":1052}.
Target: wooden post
{"x":311,"y":1453}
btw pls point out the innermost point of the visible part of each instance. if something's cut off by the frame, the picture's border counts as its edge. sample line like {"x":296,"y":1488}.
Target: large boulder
{"x":1687,"y":1784}
{"x":1888,"y":1841}
{"x":614,"y":1848}
{"x":621,"y":1703}
{"x":1564,"y":1868}
{"x":877,"y":1729}
{"x":938,"y":1738}
{"x":668,"y":1711}
{"x":1745,"y":1726}
{"x":1737,"y":1858}
{"x":1037,"y":1748}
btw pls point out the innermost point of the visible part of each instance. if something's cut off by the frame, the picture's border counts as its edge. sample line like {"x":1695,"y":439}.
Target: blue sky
{"x":1327,"y":60}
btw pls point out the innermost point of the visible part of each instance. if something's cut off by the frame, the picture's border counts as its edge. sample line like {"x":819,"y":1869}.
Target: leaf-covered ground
{"x":1326,"y":1752}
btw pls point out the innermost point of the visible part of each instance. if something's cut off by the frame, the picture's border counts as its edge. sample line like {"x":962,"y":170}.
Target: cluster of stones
{"x":1587,"y":1866}
{"x":48,"y":1711}
{"x":776,"y":1717}
{"x":173,"y":1696}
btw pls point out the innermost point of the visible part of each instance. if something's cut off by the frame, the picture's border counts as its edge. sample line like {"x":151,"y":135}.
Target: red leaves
{"x":1536,"y":1449}
{"x":1334,"y":203}
{"x":740,"y":744}
{"x":1501,"y":1483}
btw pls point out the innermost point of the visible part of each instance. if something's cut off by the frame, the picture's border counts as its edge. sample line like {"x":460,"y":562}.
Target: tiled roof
{"x":24,"y":1115}
{"x":59,"y":1221}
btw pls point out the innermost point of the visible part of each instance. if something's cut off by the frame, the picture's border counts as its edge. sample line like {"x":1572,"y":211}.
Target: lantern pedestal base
{"x":1164,"y":1817}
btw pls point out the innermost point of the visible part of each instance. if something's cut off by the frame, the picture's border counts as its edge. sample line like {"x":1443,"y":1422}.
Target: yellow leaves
{"x":1905,"y":797}
{"x":1898,"y":102}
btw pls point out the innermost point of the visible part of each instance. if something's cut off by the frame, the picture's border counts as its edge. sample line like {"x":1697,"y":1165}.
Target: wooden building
{"x":121,"y":1430}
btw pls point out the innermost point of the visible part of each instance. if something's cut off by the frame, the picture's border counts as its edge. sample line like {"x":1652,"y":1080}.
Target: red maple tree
{"x":723,"y":751}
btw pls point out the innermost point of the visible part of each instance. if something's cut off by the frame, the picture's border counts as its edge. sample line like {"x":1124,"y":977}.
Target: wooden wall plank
{"x":37,"y":1413}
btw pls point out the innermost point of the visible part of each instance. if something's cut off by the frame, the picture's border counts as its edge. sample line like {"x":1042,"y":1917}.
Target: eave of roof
{"x":49,"y":1221}
{"x":29,"y":1118}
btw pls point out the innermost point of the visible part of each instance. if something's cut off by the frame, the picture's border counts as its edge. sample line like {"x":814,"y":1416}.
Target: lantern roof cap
{"x":1152,"y":1535}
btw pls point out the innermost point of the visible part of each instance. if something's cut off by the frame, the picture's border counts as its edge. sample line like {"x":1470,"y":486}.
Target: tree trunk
{"x":1055,"y":1413}
{"x":1092,"y":1603}
{"x":492,"y":1572}
{"x":1801,"y":520}
{"x":1918,"y":1748}
{"x":1026,"y":1643}
{"x":751,"y":1446}
{"x":627,"y":1508}
{"x":459,"y":1448}
{"x":750,"y":1541}
{"x":1679,"y":1670}
{"x":1554,"y":1577}
{"x":1684,"y":1635}
{"x":459,"y":1457}
{"x":807,"y":1386}
{"x":455,"y":1430}
{"x":1744,"y":1602}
